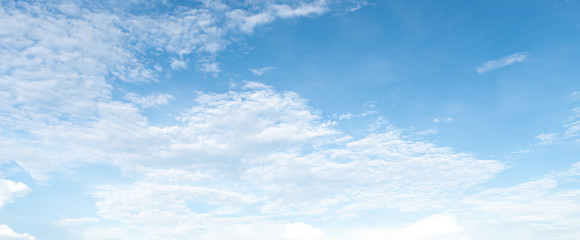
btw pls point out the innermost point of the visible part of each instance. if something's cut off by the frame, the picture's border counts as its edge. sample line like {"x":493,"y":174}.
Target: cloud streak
{"x":503,"y":62}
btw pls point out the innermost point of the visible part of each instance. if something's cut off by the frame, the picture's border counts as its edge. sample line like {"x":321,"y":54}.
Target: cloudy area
{"x":290,"y":120}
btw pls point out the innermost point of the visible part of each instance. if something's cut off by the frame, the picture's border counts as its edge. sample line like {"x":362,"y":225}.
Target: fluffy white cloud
{"x":250,"y":154}
{"x":6,"y":233}
{"x":505,"y":61}
{"x":60,"y":62}
{"x":10,"y":190}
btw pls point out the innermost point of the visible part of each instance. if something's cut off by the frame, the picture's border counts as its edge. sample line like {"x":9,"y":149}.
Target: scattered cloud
{"x":235,"y":164}
{"x":505,"y":61}
{"x":260,"y":71}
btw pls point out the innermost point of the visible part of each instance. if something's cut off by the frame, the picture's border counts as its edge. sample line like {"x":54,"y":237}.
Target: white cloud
{"x":547,"y":138}
{"x":347,"y":116}
{"x":177,"y":64}
{"x":247,"y":21}
{"x":381,"y":170}
{"x":505,"y":61}
{"x":10,"y":190}
{"x":6,"y":233}
{"x":537,"y":209}
{"x":430,"y":228}
{"x":260,"y":151}
{"x":446,"y":120}
{"x":260,"y":71}
{"x":209,"y":67}
{"x":76,"y":221}
{"x":264,"y":152}
{"x":575,"y":96}
{"x":77,"y":57}
{"x":150,"y":100}
{"x":572,"y":128}
{"x":304,"y":9}
{"x":264,"y":230}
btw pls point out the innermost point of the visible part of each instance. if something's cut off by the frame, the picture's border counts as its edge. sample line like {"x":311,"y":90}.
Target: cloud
{"x":10,"y":190}
{"x":572,"y":127}
{"x":248,"y":154}
{"x":260,"y":71}
{"x":539,"y":208}
{"x":76,"y":221}
{"x":78,"y":57}
{"x":575,"y":96}
{"x":432,"y":227}
{"x":234,"y":165}
{"x":547,"y":138}
{"x":209,"y":67}
{"x":150,"y":100}
{"x":446,"y":120}
{"x":247,"y":21}
{"x":177,"y":64}
{"x":347,"y":116}
{"x":505,"y":61}
{"x":6,"y":233}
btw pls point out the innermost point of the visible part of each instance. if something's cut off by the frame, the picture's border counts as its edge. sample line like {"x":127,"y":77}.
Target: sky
{"x":290,"y":120}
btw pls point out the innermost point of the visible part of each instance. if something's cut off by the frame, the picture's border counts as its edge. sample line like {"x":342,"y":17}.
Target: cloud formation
{"x":503,"y":62}
{"x":10,"y":190}
{"x":6,"y":233}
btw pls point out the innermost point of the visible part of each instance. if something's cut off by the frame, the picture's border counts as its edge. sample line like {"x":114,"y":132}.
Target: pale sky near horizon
{"x":290,"y":120}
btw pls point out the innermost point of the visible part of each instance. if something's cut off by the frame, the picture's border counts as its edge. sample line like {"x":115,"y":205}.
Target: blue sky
{"x":292,"y":120}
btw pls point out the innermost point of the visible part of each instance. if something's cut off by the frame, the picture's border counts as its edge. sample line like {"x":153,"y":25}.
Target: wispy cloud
{"x":150,"y":100}
{"x":575,"y":96}
{"x":260,"y":71}
{"x":347,"y":116}
{"x":445,"y":120}
{"x":547,"y":138}
{"x":247,"y":21}
{"x":505,"y":61}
